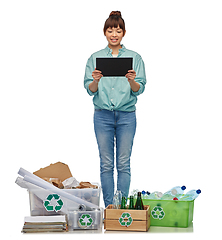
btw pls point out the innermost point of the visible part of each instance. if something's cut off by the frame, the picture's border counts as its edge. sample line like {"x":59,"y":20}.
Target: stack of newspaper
{"x":57,"y":223}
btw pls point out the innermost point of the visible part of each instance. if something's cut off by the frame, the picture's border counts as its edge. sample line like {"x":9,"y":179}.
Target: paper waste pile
{"x":56,"y":182}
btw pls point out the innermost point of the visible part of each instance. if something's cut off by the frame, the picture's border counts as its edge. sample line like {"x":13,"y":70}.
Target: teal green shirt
{"x":115,"y":93}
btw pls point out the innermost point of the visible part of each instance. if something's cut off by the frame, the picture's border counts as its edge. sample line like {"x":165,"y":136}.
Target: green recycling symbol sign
{"x":85,"y":221}
{"x":158,"y":213}
{"x":125,"y":219}
{"x":53,"y":202}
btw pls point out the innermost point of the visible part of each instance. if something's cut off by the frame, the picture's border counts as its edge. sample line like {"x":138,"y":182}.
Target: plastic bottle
{"x":117,"y":198}
{"x":155,"y":195}
{"x":178,"y":190}
{"x":173,"y":192}
{"x":139,"y":202}
{"x":191,"y":195}
{"x":145,"y":195}
{"x":134,"y":193}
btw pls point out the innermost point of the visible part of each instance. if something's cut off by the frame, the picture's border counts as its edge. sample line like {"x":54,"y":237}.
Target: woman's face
{"x":114,"y":36}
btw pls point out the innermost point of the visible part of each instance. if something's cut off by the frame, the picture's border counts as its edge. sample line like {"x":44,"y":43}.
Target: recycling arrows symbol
{"x":51,"y":207}
{"x":85,"y":221}
{"x":157,"y":213}
{"x":125,"y":219}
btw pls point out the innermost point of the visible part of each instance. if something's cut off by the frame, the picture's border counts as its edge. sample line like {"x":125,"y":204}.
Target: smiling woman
{"x":114,"y":101}
{"x":114,"y":30}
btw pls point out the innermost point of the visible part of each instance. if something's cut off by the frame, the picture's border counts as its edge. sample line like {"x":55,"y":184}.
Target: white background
{"x":47,"y":115}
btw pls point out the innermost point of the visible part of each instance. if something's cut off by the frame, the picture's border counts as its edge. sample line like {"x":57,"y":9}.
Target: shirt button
{"x":112,"y":88}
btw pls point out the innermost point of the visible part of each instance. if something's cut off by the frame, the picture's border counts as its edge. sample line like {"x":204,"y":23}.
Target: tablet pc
{"x":114,"y":67}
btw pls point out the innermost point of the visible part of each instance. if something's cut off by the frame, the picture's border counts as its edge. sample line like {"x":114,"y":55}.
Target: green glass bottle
{"x":139,"y":202}
{"x":123,"y":203}
{"x":131,"y":205}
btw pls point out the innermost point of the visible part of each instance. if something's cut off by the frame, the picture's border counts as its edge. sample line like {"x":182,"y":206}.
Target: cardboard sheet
{"x":57,"y":170}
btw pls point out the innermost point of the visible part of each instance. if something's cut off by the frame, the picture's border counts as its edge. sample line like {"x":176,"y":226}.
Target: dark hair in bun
{"x":114,"y":20}
{"x":115,"y":13}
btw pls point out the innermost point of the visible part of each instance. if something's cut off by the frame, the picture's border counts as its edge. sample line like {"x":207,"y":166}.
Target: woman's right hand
{"x":96,"y":74}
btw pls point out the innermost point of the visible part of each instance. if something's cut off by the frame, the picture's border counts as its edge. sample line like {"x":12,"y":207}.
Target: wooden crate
{"x":127,"y":219}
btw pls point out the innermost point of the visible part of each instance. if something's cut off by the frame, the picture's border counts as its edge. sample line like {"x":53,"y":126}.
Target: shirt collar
{"x":109,"y":50}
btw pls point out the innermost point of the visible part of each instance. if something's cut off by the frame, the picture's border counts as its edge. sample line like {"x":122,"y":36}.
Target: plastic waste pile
{"x":175,"y":193}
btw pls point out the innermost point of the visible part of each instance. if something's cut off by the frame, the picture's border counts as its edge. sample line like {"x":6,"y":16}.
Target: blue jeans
{"x":114,"y":129}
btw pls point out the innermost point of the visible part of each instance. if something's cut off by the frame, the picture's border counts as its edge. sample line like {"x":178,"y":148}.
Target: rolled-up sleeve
{"x":88,"y":76}
{"x":140,"y":76}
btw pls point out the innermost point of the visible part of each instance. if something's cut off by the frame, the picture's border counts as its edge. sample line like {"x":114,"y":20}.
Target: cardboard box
{"x":127,"y":219}
{"x":57,"y":170}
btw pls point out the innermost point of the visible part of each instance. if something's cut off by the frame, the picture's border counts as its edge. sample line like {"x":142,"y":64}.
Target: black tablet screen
{"x":111,"y":67}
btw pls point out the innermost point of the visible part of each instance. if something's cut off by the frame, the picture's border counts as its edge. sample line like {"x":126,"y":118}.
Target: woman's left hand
{"x":131,"y":75}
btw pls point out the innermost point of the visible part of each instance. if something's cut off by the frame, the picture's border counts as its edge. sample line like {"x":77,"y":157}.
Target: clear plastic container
{"x":45,"y":203}
{"x":85,"y":220}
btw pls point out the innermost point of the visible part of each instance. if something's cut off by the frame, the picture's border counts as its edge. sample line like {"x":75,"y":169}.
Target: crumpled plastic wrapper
{"x":70,"y":183}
